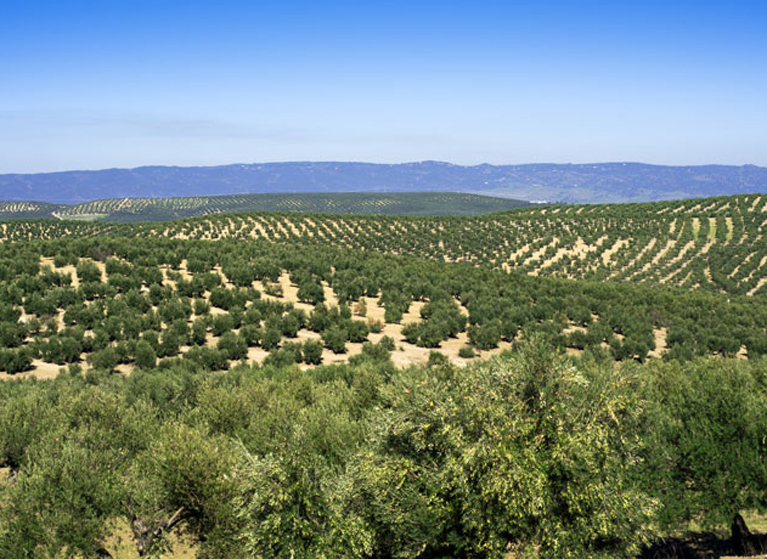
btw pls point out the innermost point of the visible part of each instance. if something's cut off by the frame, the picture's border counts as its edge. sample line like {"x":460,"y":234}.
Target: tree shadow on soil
{"x":697,"y":545}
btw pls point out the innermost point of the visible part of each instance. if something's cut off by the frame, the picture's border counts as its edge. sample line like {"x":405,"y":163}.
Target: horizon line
{"x":355,"y":162}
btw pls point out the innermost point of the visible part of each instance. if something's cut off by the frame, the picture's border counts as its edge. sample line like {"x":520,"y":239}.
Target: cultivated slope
{"x":713,"y":243}
{"x":164,"y":209}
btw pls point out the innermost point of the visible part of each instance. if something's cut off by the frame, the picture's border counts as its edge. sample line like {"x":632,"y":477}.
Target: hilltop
{"x":582,"y":183}
{"x":164,"y":209}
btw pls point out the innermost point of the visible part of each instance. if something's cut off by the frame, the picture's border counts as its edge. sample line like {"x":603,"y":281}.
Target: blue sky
{"x":95,"y":84}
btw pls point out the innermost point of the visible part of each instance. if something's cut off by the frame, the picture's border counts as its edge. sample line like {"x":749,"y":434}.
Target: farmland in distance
{"x":165,"y":209}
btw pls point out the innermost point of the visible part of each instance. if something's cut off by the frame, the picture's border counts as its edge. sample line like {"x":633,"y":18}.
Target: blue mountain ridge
{"x":574,"y":183}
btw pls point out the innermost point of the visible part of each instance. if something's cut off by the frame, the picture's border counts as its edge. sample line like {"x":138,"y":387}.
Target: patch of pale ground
{"x":758,"y":285}
{"x":649,"y":246}
{"x":608,"y":254}
{"x":730,"y":227}
{"x":58,"y":319}
{"x":257,"y":355}
{"x":324,"y":232}
{"x":330,"y":295}
{"x":210,"y":340}
{"x":374,"y":312}
{"x":72,"y":270}
{"x":334,"y":230}
{"x":737,"y":268}
{"x":68,"y":269}
{"x":574,"y":328}
{"x":40,"y":370}
{"x":759,"y":267}
{"x":660,"y":342}
{"x":712,"y":206}
{"x":755,"y":203}
{"x":166,"y":269}
{"x":413,"y":313}
{"x":184,"y":271}
{"x":179,"y":235}
{"x":282,"y":231}
{"x":675,"y":274}
{"x":671,"y":243}
{"x":122,"y":545}
{"x":537,"y":254}
{"x":679,"y":256}
{"x":742,"y":353}
{"x":297,"y":229}
{"x":289,"y":293}
{"x":578,"y":250}
{"x":705,"y":248}
{"x":225,"y":282}
{"x":330,"y":358}
{"x":125,"y":368}
{"x":516,"y":254}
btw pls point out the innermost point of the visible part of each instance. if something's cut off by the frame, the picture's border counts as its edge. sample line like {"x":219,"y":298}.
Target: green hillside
{"x":712,"y":243}
{"x":568,"y":381}
{"x":28,"y":210}
{"x":165,"y":209}
{"x":716,"y":244}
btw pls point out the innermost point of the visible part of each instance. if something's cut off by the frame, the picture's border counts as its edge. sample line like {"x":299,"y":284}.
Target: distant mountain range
{"x":582,"y":183}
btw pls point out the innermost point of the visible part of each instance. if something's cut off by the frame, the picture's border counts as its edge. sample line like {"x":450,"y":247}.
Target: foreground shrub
{"x":527,"y":452}
{"x":707,"y":446}
{"x":531,"y":452}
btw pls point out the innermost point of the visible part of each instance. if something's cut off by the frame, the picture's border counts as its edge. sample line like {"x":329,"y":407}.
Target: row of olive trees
{"x":141,"y":295}
{"x":636,"y":242}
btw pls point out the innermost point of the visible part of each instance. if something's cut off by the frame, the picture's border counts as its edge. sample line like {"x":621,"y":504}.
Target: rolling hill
{"x":583,"y":183}
{"x":382,"y":342}
{"x":163,"y":209}
{"x":716,"y":244}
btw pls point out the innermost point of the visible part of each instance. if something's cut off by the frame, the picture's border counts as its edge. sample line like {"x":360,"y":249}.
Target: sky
{"x":110,"y":83}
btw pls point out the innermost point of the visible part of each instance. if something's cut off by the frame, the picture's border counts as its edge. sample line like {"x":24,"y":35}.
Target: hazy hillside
{"x":163,"y":209}
{"x":587,"y":183}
